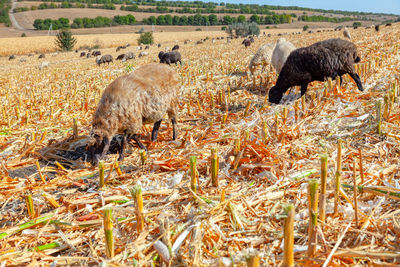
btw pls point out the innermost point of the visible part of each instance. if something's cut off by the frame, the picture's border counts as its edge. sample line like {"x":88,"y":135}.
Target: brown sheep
{"x":143,"y":96}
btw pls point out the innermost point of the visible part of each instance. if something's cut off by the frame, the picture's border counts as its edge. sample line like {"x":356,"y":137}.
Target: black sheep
{"x":176,"y":47}
{"x":120,"y":57}
{"x":11,"y":57}
{"x":42,"y":56}
{"x":170,"y":57}
{"x":96,"y":53}
{"x":377,"y":28}
{"x":83,"y":54}
{"x":328,"y":58}
{"x":246,"y":42}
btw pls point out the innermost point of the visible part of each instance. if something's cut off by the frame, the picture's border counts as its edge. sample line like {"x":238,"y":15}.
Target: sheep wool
{"x":281,"y":52}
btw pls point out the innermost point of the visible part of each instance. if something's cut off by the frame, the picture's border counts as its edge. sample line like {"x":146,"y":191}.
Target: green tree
{"x":241,"y":19}
{"x":146,"y":38}
{"x":255,"y":18}
{"x":65,"y":41}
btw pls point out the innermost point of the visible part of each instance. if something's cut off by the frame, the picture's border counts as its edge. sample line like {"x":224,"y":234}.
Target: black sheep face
{"x":274,"y":95}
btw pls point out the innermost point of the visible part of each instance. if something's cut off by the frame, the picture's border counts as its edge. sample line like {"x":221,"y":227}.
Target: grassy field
{"x":221,"y":105}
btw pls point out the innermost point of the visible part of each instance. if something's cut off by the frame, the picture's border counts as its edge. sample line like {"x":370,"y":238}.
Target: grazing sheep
{"x":104,"y":59}
{"x":143,"y":53}
{"x":246,"y":42}
{"x":88,"y":55}
{"x":120,"y":57}
{"x":388,"y":24}
{"x":128,"y":56}
{"x":170,"y":57}
{"x":281,"y":51}
{"x":22,"y":60}
{"x":251,"y":39}
{"x":346,"y":33}
{"x":147,"y":47}
{"x":96,"y":53}
{"x":262,"y":57}
{"x":42,"y":56}
{"x":76,"y":51}
{"x":158,"y":45}
{"x":11,"y":57}
{"x":160,"y":54}
{"x":44,"y":64}
{"x":83,"y":54}
{"x":176,"y":47}
{"x":328,"y":58}
{"x":199,"y":42}
{"x":143,"y":96}
{"x":377,"y":28}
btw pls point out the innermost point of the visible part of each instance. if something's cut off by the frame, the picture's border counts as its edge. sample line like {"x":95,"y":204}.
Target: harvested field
{"x":267,"y":157}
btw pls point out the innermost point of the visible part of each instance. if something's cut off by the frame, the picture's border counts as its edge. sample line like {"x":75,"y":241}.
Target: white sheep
{"x":281,"y":51}
{"x":262,"y":57}
{"x":44,"y":64}
{"x":346,"y":33}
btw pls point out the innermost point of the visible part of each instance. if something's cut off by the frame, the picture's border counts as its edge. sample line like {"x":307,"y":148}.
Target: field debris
{"x":215,"y":196}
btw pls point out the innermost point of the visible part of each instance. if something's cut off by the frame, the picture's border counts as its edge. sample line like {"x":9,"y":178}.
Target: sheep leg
{"x":174,"y":130}
{"x":122,"y":147}
{"x":357,"y":80}
{"x":154,"y":133}
{"x":136,"y":138}
{"x":106,"y":142}
{"x":303,"y":89}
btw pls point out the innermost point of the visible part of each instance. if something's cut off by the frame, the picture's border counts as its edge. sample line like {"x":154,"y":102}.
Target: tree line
{"x":64,"y":23}
{"x":4,"y":7}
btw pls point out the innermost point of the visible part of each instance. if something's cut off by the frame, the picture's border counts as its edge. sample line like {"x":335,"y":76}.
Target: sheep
{"x":88,"y":55}
{"x":11,"y":57}
{"x":83,"y":54}
{"x":42,"y":56}
{"x":104,"y":59}
{"x":281,"y":51}
{"x":176,"y":47}
{"x":377,"y":28}
{"x":129,"y":55}
{"x":44,"y":64}
{"x":199,"y":42}
{"x":143,"y":53}
{"x":262,"y":57}
{"x":22,"y":60}
{"x":346,"y":33}
{"x":170,"y":57}
{"x":158,"y":45}
{"x":143,"y":96}
{"x":96,"y":53}
{"x":120,"y":57}
{"x":147,"y":47}
{"x":246,"y":42}
{"x":328,"y":58}
{"x":388,"y":24}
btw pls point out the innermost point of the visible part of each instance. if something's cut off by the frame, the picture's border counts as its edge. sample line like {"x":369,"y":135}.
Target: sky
{"x":376,"y":6}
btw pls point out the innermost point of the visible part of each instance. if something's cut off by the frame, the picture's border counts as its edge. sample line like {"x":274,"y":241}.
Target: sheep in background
{"x":262,"y":57}
{"x":346,"y":33}
{"x":96,"y":53}
{"x":143,"y":96}
{"x":176,"y":47}
{"x":44,"y":64}
{"x":42,"y":56}
{"x":281,"y":52}
{"x":104,"y":59}
{"x":170,"y":57}
{"x":246,"y":42}
{"x":22,"y":60}
{"x":143,"y":53}
{"x":128,"y":56}
{"x":377,"y":28}
{"x":11,"y":57}
{"x":328,"y":58}
{"x":83,"y":54}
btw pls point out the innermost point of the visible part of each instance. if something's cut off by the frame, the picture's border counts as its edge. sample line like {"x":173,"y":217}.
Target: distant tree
{"x":65,"y":41}
{"x":241,"y":19}
{"x":243,"y":29}
{"x":146,"y":38}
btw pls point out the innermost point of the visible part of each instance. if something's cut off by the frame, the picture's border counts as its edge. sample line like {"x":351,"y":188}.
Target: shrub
{"x":141,"y":30}
{"x":356,"y":24}
{"x":65,"y":41}
{"x":223,"y":28}
{"x":243,"y":29}
{"x":146,"y":38}
{"x":23,"y":34}
{"x":305,"y":27}
{"x":198,"y":29}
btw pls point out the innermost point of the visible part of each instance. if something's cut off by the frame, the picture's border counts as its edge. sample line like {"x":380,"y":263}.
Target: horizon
{"x":384,"y":6}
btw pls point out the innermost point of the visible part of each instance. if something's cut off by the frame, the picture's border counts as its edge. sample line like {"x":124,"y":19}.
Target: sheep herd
{"x":151,"y":91}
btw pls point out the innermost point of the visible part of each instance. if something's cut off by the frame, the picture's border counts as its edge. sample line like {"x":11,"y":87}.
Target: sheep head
{"x":97,"y":146}
{"x":275,"y":95}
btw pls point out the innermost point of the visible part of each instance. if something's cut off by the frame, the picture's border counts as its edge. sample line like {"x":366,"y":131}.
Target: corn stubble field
{"x":267,"y":156}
